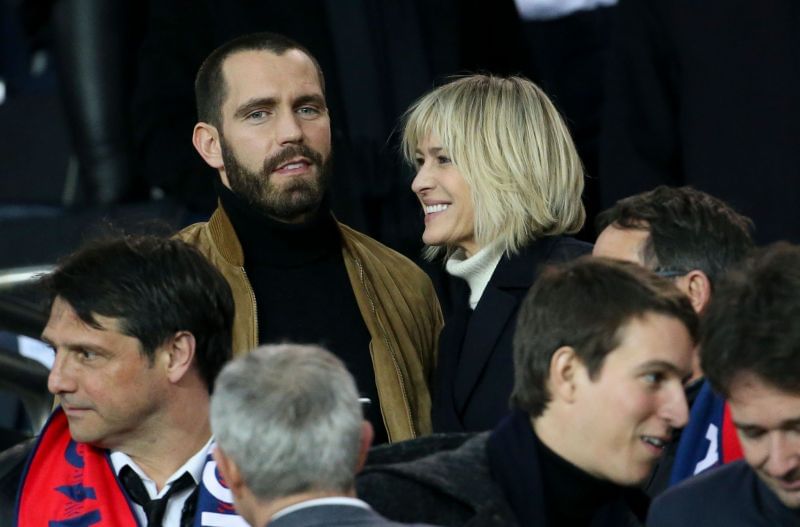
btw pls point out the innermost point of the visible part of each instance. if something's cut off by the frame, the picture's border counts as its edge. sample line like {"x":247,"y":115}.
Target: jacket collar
{"x":224,"y":236}
{"x":515,"y":271}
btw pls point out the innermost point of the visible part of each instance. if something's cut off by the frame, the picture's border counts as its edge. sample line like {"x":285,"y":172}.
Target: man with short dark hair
{"x":140,"y":327}
{"x":290,"y":437}
{"x":751,"y":354}
{"x":601,"y":351}
{"x":677,"y":232}
{"x":692,"y":238}
{"x":296,"y":273}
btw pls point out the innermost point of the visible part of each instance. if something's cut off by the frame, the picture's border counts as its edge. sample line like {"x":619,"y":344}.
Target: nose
{"x":675,"y":410}
{"x":784,"y":454}
{"x":288,"y":128}
{"x":60,"y":381}
{"x":422,"y":181}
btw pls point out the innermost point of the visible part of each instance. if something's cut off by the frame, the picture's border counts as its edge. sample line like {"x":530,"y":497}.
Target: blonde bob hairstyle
{"x":514,"y":151}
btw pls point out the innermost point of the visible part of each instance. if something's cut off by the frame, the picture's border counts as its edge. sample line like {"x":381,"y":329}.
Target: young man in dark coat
{"x":601,"y":351}
{"x":692,"y":238}
{"x":751,"y":355}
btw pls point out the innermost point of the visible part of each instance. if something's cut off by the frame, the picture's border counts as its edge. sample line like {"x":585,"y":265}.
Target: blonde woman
{"x":500,"y":183}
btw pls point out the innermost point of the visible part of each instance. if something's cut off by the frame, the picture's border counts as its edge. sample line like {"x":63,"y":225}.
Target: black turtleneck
{"x":544,"y":489}
{"x":303,"y":293}
{"x":572,"y":496}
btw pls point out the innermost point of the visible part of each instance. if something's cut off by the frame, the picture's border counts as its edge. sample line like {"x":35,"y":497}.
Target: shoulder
{"x":365,"y":245}
{"x":434,"y":461}
{"x":565,"y":248}
{"x":12,"y":466}
{"x":381,"y":263}
{"x":704,"y":499}
{"x":520,"y":269}
{"x":196,"y":235}
{"x":405,"y":451}
{"x":447,"y":487}
{"x":333,"y":515}
{"x":552,"y":249}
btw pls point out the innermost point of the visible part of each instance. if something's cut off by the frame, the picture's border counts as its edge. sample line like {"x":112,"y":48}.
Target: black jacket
{"x":728,"y":495}
{"x":12,"y":464}
{"x":456,"y":488}
{"x":474,"y":374}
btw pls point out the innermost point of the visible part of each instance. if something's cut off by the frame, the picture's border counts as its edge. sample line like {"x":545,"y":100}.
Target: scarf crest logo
{"x":76,"y":493}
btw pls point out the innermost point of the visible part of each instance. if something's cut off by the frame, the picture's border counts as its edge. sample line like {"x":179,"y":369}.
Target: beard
{"x":293,"y":201}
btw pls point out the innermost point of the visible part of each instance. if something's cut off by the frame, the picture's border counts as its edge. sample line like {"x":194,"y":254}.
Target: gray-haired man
{"x":290,"y":437}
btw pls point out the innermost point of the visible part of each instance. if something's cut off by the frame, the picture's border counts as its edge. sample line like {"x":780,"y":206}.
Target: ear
{"x":230,"y":472}
{"x":180,"y":350}
{"x":205,"y":139}
{"x":367,"y":434}
{"x":564,"y":367}
{"x":697,"y":287}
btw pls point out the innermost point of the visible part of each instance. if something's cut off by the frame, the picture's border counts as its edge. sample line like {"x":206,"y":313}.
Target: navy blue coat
{"x":474,"y":374}
{"x":728,"y":495}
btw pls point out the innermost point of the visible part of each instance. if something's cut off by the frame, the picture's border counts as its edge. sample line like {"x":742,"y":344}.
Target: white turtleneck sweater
{"x":476,"y":270}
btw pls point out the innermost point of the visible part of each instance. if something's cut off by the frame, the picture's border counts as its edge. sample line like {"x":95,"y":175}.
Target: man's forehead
{"x":621,"y":243}
{"x":755,"y":401}
{"x":266,"y":65}
{"x":654,"y":339}
{"x":747,"y":385}
{"x":64,"y":317}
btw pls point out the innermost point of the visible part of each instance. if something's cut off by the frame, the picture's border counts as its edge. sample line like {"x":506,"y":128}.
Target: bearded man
{"x":296,"y":273}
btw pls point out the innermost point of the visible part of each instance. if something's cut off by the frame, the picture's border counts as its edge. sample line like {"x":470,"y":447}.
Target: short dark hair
{"x":585,"y":304}
{"x":752,"y":322}
{"x":210,"y":89}
{"x":689,"y":229}
{"x":155,"y":287}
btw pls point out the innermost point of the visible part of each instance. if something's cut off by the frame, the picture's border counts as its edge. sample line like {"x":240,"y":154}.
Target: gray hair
{"x":289,"y":417}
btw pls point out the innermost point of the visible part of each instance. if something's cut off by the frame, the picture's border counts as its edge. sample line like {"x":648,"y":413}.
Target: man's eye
{"x":257,"y":115}
{"x":751,"y":433}
{"x":308,"y":111}
{"x":654,"y":377}
{"x":86,"y":355}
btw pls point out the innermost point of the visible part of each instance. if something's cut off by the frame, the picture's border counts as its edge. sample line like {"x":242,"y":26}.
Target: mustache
{"x":289,"y":153}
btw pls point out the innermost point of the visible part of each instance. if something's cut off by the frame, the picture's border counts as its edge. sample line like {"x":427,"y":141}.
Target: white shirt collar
{"x":194,"y":466}
{"x":337,"y":500}
{"x":172,"y":515}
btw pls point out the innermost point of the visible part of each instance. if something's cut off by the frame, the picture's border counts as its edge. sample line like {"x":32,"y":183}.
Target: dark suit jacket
{"x":334,"y":515}
{"x":728,"y":495}
{"x":474,"y":374}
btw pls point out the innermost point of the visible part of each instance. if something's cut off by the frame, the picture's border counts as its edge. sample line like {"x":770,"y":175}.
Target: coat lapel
{"x":495,"y":310}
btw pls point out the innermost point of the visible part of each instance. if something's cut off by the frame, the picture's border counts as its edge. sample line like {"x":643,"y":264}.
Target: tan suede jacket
{"x":395,"y":297}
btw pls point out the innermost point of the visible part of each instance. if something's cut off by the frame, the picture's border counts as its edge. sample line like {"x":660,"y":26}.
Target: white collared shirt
{"x":337,"y":500}
{"x":172,"y":515}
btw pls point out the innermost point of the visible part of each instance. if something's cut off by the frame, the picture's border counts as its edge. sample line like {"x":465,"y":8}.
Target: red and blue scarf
{"x":71,"y":484}
{"x":709,"y":440}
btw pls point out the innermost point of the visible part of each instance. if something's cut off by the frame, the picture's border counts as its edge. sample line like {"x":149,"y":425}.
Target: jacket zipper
{"x":389,"y":347}
{"x":255,"y":307}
